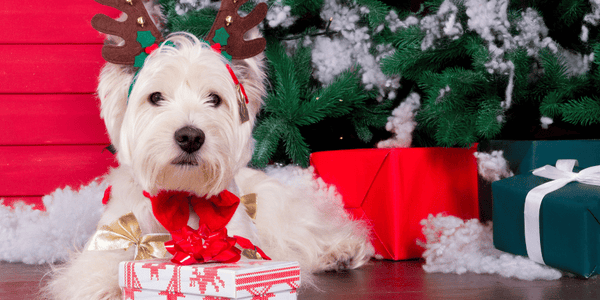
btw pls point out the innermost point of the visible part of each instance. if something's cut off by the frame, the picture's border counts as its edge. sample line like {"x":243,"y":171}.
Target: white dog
{"x":179,"y":129}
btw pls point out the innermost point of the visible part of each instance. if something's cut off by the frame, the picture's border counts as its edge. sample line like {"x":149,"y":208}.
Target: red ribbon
{"x":189,"y":246}
{"x":236,"y":81}
{"x":217,"y":48}
{"x":106,"y":197}
{"x":172,"y":209}
{"x":247,"y":244}
{"x":210,"y":243}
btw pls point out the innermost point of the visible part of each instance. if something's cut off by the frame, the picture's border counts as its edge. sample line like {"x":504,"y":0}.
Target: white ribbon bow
{"x":561,"y":175}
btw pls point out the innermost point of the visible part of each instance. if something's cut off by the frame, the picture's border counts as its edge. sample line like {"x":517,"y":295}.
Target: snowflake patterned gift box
{"x":246,"y":279}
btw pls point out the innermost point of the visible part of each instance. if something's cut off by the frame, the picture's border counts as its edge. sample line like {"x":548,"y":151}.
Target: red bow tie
{"x":210,"y":242}
{"x":172,"y":209}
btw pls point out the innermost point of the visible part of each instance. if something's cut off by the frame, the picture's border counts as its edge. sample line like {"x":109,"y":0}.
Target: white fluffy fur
{"x":290,"y":224}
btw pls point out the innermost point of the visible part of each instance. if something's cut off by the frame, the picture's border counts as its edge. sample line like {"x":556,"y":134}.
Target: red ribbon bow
{"x":189,"y":246}
{"x":172,"y":209}
{"x":210,"y":242}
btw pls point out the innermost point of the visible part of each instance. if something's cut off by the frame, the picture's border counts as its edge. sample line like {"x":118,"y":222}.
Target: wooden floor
{"x":378,"y":280}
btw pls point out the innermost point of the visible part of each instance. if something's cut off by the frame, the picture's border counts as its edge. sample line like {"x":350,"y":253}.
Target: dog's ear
{"x":115,"y":79}
{"x":113,"y":88}
{"x":251,"y":73}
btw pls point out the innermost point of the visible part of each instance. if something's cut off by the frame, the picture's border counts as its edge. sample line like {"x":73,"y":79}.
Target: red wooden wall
{"x":51,"y":134}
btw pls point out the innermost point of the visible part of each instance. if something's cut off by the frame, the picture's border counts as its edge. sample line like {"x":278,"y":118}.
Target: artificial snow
{"x":402,"y":123}
{"x":280,"y":15}
{"x":457,"y":246}
{"x":36,"y":237}
{"x":492,"y":166}
{"x":352,"y":46}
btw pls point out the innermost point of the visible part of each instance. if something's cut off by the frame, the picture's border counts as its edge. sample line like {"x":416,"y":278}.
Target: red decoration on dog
{"x":246,"y":244}
{"x":172,"y":208}
{"x":210,"y":243}
{"x":237,"y":82}
{"x":216,"y":47}
{"x":151,"y":48}
{"x":106,"y":197}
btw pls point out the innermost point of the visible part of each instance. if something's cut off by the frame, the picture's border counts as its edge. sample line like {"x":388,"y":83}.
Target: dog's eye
{"x":214,"y":99}
{"x":155,"y":98}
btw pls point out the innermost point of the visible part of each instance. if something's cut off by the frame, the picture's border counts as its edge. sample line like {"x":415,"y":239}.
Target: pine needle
{"x":584,"y":111}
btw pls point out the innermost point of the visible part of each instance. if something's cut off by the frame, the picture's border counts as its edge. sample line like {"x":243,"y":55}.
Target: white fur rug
{"x":452,"y":246}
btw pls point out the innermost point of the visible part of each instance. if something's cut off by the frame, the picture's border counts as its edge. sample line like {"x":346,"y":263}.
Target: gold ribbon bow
{"x":124,"y":233}
{"x":249,"y":202}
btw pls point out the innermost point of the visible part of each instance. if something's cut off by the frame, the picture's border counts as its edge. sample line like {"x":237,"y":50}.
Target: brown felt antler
{"x":137,"y":20}
{"x":235,"y":27}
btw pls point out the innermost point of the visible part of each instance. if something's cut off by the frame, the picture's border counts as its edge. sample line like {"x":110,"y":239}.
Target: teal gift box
{"x":569,"y":222}
{"x":524,"y":156}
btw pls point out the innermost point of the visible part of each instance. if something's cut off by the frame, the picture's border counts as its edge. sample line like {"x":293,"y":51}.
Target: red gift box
{"x":394,"y":189}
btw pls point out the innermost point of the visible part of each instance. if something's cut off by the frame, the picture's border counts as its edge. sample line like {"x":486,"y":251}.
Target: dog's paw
{"x":346,"y":257}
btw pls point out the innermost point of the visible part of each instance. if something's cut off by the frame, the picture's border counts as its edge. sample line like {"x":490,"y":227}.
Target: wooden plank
{"x":28,"y":200}
{"x":51,"y":119}
{"x":44,"y":22}
{"x":39,"y":170}
{"x":49,"y":69}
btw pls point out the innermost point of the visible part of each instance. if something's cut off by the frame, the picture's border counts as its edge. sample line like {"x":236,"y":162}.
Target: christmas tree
{"x":482,"y":64}
{"x":365,"y":73}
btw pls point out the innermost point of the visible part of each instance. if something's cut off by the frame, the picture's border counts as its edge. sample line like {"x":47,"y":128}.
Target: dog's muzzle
{"x":190,"y":139}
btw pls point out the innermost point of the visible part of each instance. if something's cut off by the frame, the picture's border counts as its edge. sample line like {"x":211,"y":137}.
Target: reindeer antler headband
{"x":141,"y":35}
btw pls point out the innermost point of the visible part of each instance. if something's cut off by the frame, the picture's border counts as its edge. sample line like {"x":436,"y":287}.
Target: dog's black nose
{"x":189,"y":138}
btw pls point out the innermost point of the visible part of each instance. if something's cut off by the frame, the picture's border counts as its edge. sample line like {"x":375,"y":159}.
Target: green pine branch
{"x":584,"y":111}
{"x":455,"y":129}
{"x":371,"y":115}
{"x":408,"y":50}
{"x":301,"y":8}
{"x":522,"y":63}
{"x":268,"y":134}
{"x":196,"y":22}
{"x":571,"y":11}
{"x":487,"y":124}
{"x":377,"y":11}
{"x":295,"y":146}
{"x":292,"y":103}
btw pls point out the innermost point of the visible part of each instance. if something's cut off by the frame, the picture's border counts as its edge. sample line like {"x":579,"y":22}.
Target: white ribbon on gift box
{"x":562,"y":174}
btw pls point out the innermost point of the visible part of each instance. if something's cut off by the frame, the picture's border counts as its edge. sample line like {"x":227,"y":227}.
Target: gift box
{"x":568,"y":228}
{"x":525,"y":156}
{"x":246,"y":279}
{"x":394,"y":189}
